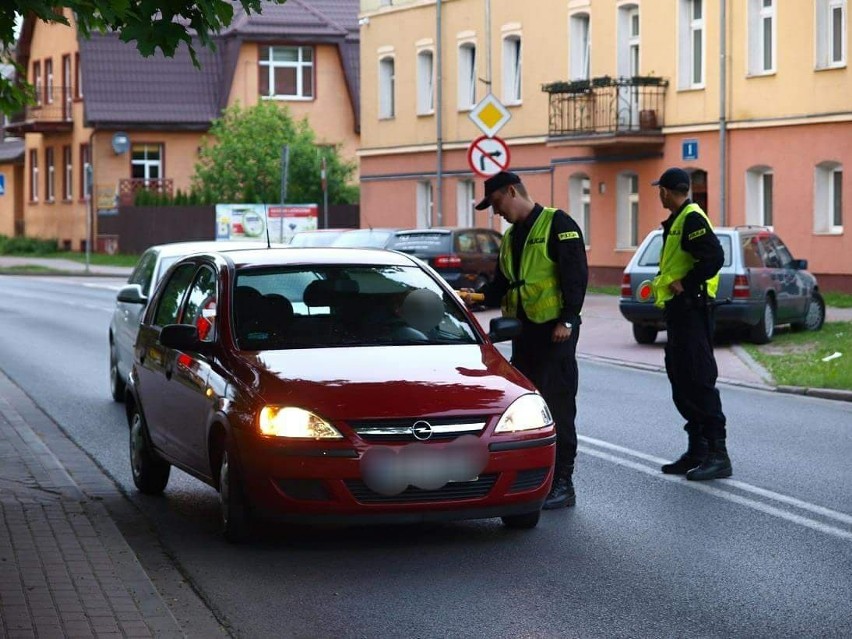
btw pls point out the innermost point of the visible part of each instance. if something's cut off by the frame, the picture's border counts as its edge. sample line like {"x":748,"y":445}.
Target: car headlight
{"x":528,"y":412}
{"x":289,"y":421}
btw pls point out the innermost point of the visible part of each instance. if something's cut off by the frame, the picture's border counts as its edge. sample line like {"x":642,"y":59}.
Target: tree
{"x":240,"y":160}
{"x":152,"y":24}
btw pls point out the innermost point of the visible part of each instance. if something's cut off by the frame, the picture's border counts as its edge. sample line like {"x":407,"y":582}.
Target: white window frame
{"x":300,"y":64}
{"x":34,"y":175}
{"x":425,"y":82}
{"x":50,"y":165}
{"x":387,"y":87}
{"x":580,"y":203}
{"x":467,"y":76}
{"x":580,"y":40}
{"x":512,"y":69}
{"x":761,"y":17}
{"x":759,"y":202}
{"x":68,"y":160}
{"x":147,"y":163}
{"x":48,"y":74}
{"x":827,"y":13}
{"x":465,"y":201}
{"x":627,"y":211}
{"x":826,"y":212}
{"x":424,"y":204}
{"x":690,"y":27}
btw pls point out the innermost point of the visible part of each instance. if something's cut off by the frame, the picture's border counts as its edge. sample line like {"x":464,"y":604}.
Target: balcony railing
{"x":128,"y":188}
{"x":606,"y":106}
{"x":53,"y":111}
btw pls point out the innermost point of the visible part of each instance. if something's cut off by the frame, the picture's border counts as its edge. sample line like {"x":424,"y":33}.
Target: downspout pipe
{"x":723,"y":109}
{"x":439,"y":120}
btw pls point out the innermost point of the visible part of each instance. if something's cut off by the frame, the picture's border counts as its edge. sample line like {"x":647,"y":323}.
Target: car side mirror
{"x":504,"y":328}
{"x":799,"y":265}
{"x":131,"y":294}
{"x":182,"y":337}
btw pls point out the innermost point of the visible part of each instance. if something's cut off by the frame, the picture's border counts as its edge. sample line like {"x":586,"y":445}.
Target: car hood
{"x":388,"y":381}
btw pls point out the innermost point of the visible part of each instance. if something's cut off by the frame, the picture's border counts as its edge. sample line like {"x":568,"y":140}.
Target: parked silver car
{"x":132,"y":299}
{"x":761,"y":286}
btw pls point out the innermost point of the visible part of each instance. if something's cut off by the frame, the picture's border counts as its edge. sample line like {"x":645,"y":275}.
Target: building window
{"x":465,"y":201}
{"x":286,"y":72}
{"x":38,"y":83}
{"x":691,"y":71}
{"x":387,"y":88}
{"x":830,"y":33}
{"x":78,"y":77}
{"x":580,"y":43}
{"x":68,"y":173}
{"x":50,"y":175}
{"x":761,"y":36}
{"x":512,"y":70}
{"x":48,"y":80}
{"x":424,"y":204}
{"x":580,"y":203}
{"x":759,"y":196}
{"x":425,"y":83}
{"x":828,"y":198}
{"x":67,"y":95}
{"x":85,"y":162}
{"x":34,"y":177}
{"x":467,"y":76}
{"x":627,"y":221}
{"x":146,"y":162}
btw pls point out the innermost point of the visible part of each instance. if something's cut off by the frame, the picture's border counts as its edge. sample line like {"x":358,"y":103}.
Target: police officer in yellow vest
{"x":685,"y":287}
{"x":541,"y":280}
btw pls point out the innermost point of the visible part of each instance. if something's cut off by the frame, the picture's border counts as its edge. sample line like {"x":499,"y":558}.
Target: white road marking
{"x":724,"y":494}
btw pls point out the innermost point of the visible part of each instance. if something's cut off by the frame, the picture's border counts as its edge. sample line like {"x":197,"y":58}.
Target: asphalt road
{"x":766,"y":554}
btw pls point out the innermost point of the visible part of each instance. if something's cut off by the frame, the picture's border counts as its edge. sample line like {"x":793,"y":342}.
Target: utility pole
{"x":723,"y":109}
{"x":324,"y":178}
{"x":285,"y":171}
{"x":439,"y":122}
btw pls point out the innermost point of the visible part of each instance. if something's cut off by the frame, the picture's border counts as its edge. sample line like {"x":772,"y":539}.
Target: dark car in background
{"x":365,"y":238}
{"x":761,"y":286}
{"x":464,"y":257}
{"x":250,"y":375}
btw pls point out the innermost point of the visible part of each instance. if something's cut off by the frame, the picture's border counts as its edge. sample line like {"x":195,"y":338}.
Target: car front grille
{"x":453,"y":491}
{"x":528,"y":479}
{"x":402,"y":430}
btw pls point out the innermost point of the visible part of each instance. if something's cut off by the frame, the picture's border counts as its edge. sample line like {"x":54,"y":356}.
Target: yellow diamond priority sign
{"x":490,"y":115}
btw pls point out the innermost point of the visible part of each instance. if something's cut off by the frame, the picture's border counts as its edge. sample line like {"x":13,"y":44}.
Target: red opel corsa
{"x":333,"y":385}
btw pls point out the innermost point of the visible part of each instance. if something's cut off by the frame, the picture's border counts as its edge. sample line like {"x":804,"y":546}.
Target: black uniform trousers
{"x":552,"y":367}
{"x":691,"y":366}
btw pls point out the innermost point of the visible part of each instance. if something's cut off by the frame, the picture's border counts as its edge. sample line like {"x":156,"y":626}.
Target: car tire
{"x":117,"y":385}
{"x":644,"y":334}
{"x":764,"y":330}
{"x":525,"y":521}
{"x":814,"y":316}
{"x":234,"y":512}
{"x":150,"y":471}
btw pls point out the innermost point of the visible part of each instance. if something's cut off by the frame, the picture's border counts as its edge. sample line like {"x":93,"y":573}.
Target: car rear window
{"x":421,"y":242}
{"x":651,"y":255}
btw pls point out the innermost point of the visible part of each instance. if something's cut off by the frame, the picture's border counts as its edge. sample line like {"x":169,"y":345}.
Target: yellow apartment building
{"x":752,"y":97}
{"x":138,"y":122}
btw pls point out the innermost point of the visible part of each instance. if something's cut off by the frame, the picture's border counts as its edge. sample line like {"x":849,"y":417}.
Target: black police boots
{"x":696,"y":453}
{"x":562,"y":491}
{"x":717,"y":465}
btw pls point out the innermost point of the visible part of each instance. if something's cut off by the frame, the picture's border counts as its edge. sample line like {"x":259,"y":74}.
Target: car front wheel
{"x":764,"y":330}
{"x":644,"y":334}
{"x":150,"y":471}
{"x":525,"y":521}
{"x":117,"y":385}
{"x":233,"y":508}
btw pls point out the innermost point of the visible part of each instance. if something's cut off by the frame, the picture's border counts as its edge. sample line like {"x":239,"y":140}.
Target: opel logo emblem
{"x":421,"y":430}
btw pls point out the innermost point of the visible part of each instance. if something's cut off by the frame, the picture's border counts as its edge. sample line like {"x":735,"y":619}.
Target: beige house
{"x":603,"y":96}
{"x":138,"y":122}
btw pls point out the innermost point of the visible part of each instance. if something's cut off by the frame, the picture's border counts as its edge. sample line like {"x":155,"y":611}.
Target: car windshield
{"x":421,"y":242}
{"x":333,"y":306}
{"x":651,"y":255}
{"x":318,"y":238}
{"x":364,"y":239}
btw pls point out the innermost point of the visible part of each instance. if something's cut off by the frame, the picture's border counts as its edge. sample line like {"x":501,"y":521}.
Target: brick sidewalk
{"x":65,"y":568}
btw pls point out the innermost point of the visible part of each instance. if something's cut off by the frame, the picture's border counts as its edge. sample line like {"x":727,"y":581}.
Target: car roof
{"x":289,"y":256}
{"x":187,"y":248}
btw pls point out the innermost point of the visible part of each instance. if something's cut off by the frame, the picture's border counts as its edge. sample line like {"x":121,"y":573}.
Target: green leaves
{"x":152,"y":24}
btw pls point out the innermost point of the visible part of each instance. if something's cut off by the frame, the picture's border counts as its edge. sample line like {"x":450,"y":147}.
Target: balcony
{"x":128,"y":188}
{"x":607,"y":112}
{"x":52,"y":113}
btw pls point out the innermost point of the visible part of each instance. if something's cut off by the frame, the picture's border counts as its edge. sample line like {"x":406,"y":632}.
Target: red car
{"x":333,"y":385}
